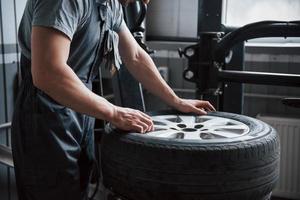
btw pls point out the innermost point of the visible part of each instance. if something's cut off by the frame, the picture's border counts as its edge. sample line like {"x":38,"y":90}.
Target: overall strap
{"x":102,"y":11}
{"x":107,"y":49}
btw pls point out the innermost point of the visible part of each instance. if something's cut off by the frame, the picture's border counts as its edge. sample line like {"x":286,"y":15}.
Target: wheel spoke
{"x":161,"y":127}
{"x":188,"y":119}
{"x":225,"y":134}
{"x":238,"y":129}
{"x":170,"y":118}
{"x":167,"y":123}
{"x":192,"y":136}
{"x":201,"y":119}
{"x":164,"y":133}
{"x":216,"y":122}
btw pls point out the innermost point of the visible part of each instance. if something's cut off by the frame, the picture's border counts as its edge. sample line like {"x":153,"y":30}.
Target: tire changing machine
{"x":215,"y":63}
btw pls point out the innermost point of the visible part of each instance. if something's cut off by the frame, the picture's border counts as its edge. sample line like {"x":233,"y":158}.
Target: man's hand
{"x":194,"y":106}
{"x":131,"y":120}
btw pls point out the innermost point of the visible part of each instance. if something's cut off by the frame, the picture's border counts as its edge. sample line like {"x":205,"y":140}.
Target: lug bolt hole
{"x":198,"y":126}
{"x":181,"y":125}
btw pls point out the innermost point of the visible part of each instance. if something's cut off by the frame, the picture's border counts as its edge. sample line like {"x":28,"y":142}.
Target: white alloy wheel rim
{"x":188,"y":127}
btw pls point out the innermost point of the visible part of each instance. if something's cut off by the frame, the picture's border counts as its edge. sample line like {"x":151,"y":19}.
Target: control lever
{"x":180,"y":52}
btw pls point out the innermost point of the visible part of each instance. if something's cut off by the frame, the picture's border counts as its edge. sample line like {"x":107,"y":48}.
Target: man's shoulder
{"x":69,"y":3}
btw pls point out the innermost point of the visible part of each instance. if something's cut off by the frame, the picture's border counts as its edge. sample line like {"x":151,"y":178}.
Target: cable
{"x":97,"y":162}
{"x":98,"y":182}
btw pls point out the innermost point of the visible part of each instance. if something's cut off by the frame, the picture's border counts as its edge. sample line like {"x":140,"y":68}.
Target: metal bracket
{"x":5,"y":152}
{"x":5,"y":126}
{"x":6,"y":156}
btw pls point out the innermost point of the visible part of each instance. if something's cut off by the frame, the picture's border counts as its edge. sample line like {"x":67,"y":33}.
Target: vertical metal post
{"x":232,"y":97}
{"x":210,"y":21}
{"x":209,"y":16}
{"x":17,"y":46}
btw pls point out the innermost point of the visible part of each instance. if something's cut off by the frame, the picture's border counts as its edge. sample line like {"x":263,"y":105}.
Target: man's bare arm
{"x":51,"y":74}
{"x":141,"y":66}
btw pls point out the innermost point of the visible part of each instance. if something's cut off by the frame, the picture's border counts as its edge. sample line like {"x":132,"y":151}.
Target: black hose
{"x":142,"y":15}
{"x":97,"y":162}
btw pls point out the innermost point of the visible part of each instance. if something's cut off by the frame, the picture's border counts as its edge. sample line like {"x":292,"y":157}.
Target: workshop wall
{"x":267,"y":99}
{"x":178,"y":17}
{"x":11,"y":12}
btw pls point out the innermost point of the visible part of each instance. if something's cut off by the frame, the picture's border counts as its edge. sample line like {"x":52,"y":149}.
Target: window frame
{"x":275,"y":41}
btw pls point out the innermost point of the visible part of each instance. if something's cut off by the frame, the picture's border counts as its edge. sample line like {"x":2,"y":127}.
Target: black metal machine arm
{"x":251,"y":31}
{"x":279,"y":79}
{"x":208,"y":60}
{"x":255,"y":30}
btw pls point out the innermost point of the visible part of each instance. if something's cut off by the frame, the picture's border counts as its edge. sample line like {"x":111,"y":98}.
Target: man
{"x":52,"y":134}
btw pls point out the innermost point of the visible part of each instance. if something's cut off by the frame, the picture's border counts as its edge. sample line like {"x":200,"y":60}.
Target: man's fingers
{"x":147,"y":119}
{"x":146,"y":116}
{"x":211,"y":107}
{"x":143,"y":122}
{"x":137,"y":128}
{"x":202,"y":112}
{"x":151,"y":128}
{"x":148,"y":122}
{"x":199,"y":111}
{"x":206,"y":105}
{"x":144,"y":125}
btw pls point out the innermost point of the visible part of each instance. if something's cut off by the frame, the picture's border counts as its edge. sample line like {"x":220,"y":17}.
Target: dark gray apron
{"x":53,"y":146}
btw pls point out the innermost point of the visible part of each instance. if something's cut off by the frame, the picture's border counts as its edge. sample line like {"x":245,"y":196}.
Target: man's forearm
{"x":63,"y":85}
{"x":144,"y":70}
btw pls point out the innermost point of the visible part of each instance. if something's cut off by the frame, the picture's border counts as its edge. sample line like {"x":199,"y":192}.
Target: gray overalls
{"x":53,"y":146}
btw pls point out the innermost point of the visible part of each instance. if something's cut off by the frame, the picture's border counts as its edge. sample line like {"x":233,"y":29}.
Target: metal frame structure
{"x":216,"y":61}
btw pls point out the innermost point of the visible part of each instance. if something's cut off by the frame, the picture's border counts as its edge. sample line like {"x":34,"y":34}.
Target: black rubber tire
{"x":141,"y":168}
